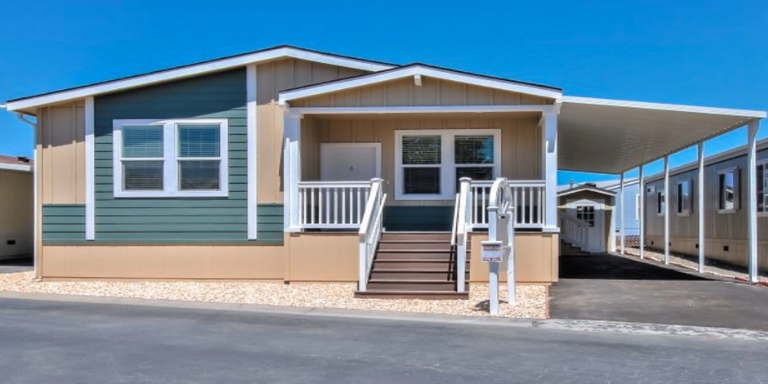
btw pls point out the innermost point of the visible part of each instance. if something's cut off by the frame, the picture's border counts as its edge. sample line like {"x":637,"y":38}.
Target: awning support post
{"x":621,"y":213}
{"x":641,"y":208}
{"x":700,"y":206}
{"x":666,"y":209}
{"x":752,"y":200}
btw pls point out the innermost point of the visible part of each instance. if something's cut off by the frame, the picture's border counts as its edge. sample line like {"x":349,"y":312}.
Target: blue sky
{"x":710,"y":53}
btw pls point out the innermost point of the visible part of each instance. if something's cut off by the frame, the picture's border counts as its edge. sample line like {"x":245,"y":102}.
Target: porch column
{"x":291,"y":169}
{"x":549,"y":140}
{"x":621,"y":213}
{"x":641,"y":210}
{"x":752,"y":201}
{"x":666,"y":209}
{"x":701,"y":187}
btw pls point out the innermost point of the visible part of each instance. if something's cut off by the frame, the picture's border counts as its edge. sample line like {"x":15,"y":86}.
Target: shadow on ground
{"x":16,"y":265}
{"x":603,"y":266}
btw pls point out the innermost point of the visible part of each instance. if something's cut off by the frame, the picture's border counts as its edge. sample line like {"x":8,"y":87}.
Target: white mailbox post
{"x":492,"y":252}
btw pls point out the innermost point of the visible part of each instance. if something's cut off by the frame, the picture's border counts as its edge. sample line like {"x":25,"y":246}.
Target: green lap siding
{"x":270,"y":223}
{"x":178,"y":220}
{"x":63,"y":223}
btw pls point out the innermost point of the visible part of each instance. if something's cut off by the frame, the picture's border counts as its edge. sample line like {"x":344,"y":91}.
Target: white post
{"x":666,"y":209}
{"x":621,"y":213}
{"x":493,"y":285}
{"x":752,"y":201}
{"x":510,"y":239}
{"x":701,"y":187}
{"x":251,"y":135}
{"x":549,"y":133}
{"x":641,"y":211}
{"x":291,"y":170}
{"x":90,"y":184}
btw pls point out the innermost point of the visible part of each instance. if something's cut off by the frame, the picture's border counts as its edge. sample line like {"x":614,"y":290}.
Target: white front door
{"x":592,"y":212}
{"x":350,"y":161}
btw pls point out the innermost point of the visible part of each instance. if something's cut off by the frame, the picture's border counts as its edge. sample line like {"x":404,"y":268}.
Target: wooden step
{"x":412,"y":285}
{"x":405,"y":254}
{"x":408,"y":275}
{"x":419,"y":264}
{"x":406,"y":294}
{"x":417,"y":246}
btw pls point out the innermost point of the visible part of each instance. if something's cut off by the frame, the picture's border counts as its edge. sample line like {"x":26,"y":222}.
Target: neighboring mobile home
{"x":16,"y":207}
{"x":287,"y":164}
{"x":725,"y":208}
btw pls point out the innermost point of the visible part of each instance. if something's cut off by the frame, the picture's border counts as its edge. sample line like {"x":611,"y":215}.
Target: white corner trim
{"x":417,"y":70}
{"x":194,"y":70}
{"x":90,"y":208}
{"x":251,"y":141}
{"x":423,"y":109}
{"x":16,"y":167}
{"x":664,"y":107}
{"x":170,"y":169}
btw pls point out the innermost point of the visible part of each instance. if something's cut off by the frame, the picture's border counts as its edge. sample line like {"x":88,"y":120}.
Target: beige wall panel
{"x":283,"y":74}
{"x":16,"y":214}
{"x":537,"y":256}
{"x":62,"y":159}
{"x":269,"y":154}
{"x":323,"y":257}
{"x":404,"y":92}
{"x":164,"y":262}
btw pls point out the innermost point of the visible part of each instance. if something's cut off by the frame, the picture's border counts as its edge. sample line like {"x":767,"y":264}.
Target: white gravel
{"x":716,"y":270}
{"x":531,"y":299}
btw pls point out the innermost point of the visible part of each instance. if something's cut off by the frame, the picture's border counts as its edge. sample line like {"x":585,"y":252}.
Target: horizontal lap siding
{"x":176,"y":220}
{"x":63,"y":223}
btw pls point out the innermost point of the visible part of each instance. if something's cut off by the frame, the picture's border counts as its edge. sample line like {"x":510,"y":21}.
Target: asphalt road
{"x":47,"y":342}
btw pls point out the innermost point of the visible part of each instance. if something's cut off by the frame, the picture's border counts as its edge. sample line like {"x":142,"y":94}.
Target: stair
{"x":567,"y":249}
{"x":415,"y":265}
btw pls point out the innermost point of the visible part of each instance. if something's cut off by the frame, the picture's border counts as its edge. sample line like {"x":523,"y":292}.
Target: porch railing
{"x":527,"y":199}
{"x":461,"y":228}
{"x":332,"y":204}
{"x":370,"y":231}
{"x":574,"y":231}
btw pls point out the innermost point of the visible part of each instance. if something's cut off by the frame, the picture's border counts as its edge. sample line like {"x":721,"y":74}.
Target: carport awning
{"x":613,"y":136}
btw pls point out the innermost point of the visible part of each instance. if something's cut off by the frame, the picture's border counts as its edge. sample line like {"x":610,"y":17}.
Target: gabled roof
{"x":283,"y":51}
{"x":585,"y":188}
{"x":420,"y":69}
{"x":11,"y":163}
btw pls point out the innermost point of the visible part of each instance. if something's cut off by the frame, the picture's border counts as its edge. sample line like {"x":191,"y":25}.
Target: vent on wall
{"x":725,"y":248}
{"x":697,"y":245}
{"x":11,"y":242}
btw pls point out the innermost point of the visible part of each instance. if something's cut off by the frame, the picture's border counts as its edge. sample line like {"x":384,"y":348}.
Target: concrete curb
{"x":551,"y":324}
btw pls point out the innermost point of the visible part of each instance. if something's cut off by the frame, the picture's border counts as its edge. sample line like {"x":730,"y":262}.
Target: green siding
{"x":270,"y":223}
{"x":63,"y":223}
{"x":418,"y":218}
{"x":179,"y":220}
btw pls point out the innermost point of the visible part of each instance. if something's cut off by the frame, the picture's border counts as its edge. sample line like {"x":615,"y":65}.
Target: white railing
{"x":501,"y":227}
{"x":332,"y":204}
{"x":370,"y":231}
{"x":461,"y":226}
{"x":528,"y":200}
{"x":575,"y":231}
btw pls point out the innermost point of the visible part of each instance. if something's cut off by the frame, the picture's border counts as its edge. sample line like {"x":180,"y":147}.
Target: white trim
{"x":424,"y":109}
{"x":700,"y":205}
{"x":16,"y":167}
{"x":549,"y":133}
{"x":90,"y":196}
{"x":291,"y":170}
{"x":170,"y":159}
{"x":664,"y":107}
{"x":376,"y":147}
{"x":667,"y":210}
{"x":582,"y":189}
{"x":448,"y":162}
{"x":752,"y":237}
{"x":422,"y":70}
{"x":251,"y":142}
{"x":194,"y":70}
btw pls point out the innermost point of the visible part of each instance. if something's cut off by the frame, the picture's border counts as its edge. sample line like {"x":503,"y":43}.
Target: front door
{"x":592,"y":212}
{"x":350,"y":161}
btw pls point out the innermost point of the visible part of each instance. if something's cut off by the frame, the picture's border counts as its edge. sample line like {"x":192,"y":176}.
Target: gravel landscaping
{"x":710,"y":266}
{"x":531,"y":299}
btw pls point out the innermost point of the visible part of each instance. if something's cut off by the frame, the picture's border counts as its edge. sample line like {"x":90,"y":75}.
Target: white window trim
{"x":736,"y":190}
{"x":171,"y":166}
{"x":686,"y":212}
{"x":448,"y":162}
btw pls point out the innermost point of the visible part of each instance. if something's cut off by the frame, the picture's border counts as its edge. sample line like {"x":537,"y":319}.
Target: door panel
{"x":350,"y":161}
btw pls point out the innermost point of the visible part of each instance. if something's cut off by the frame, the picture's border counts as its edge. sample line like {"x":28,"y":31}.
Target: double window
{"x":429,"y":163}
{"x":170,"y":158}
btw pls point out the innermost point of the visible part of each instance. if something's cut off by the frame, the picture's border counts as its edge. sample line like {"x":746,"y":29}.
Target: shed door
{"x":350,"y":161}
{"x":593,"y":212}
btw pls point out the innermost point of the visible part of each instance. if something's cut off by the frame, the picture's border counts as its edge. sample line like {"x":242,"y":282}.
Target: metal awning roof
{"x":612,"y":136}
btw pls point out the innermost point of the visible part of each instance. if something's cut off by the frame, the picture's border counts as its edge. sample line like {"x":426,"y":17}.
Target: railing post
{"x":462,"y":222}
{"x":292,"y":170}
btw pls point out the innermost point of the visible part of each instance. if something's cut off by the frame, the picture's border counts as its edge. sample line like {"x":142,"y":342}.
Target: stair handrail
{"x":461,"y":225}
{"x":575,"y":231}
{"x":371,"y":227}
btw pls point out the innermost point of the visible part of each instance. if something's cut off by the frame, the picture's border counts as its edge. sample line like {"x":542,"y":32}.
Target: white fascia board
{"x":422,"y":109}
{"x":194,"y":70}
{"x":376,"y":78}
{"x":574,"y":190}
{"x":16,"y":167}
{"x":664,"y":107}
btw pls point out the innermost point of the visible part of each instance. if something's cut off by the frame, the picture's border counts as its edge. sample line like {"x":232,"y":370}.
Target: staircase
{"x":415,"y":265}
{"x":568,"y":249}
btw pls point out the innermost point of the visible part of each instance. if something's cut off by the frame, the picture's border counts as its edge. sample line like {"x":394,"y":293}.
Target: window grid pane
{"x":419,"y":150}
{"x":142,"y":141}
{"x":199,"y":141}
{"x":143,"y":175}
{"x":199,"y":175}
{"x":473,"y":149}
{"x":421,"y":180}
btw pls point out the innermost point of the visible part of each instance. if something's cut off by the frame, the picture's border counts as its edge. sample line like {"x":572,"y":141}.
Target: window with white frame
{"x":660,"y":203}
{"x":728,"y":190}
{"x":429,"y":163}
{"x":684,"y":197}
{"x":762,"y":186}
{"x":170,"y":158}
